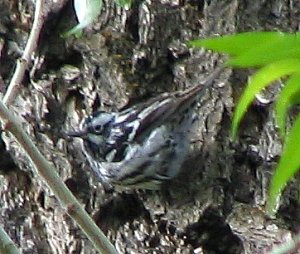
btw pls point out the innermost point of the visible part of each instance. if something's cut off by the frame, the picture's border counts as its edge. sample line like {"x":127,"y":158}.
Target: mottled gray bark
{"x":216,"y":204}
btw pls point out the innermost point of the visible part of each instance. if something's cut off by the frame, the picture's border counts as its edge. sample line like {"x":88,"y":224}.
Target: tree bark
{"x":216,"y":204}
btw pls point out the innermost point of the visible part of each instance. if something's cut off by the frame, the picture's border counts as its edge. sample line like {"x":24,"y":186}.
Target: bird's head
{"x":94,"y":131}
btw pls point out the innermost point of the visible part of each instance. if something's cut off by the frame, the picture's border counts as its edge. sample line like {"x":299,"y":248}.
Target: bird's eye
{"x":98,"y":128}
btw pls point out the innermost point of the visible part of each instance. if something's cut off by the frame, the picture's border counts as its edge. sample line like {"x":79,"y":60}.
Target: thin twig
{"x":23,"y":62}
{"x":49,"y":174}
{"x":7,"y":246}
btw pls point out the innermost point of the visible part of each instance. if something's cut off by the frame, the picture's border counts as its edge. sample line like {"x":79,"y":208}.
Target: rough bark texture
{"x":216,"y":205}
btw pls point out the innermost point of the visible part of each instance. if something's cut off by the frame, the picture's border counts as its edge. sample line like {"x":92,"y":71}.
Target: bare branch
{"x":6,"y":244}
{"x":49,"y":174}
{"x":23,"y":62}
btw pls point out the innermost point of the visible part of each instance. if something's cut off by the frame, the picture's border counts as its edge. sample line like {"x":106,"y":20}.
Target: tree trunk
{"x":216,"y":204}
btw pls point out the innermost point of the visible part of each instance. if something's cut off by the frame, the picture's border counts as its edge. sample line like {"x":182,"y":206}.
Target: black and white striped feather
{"x":143,"y":145}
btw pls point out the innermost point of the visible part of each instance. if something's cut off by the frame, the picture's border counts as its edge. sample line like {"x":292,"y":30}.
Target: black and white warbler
{"x":145,"y":144}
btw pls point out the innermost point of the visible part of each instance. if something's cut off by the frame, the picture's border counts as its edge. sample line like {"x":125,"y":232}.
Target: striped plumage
{"x":143,"y":145}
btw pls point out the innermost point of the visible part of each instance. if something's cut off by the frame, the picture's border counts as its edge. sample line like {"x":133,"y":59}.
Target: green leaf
{"x":279,"y":55}
{"x":258,"y":82}
{"x":283,"y":47}
{"x":287,"y":167}
{"x":290,"y":95}
{"x":238,"y":43}
{"x":124,"y":3}
{"x":86,"y":11}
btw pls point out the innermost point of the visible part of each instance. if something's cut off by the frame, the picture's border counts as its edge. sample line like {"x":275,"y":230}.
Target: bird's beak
{"x":76,"y":134}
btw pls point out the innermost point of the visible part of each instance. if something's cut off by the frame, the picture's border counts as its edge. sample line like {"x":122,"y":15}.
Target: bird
{"x":144,"y":145}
